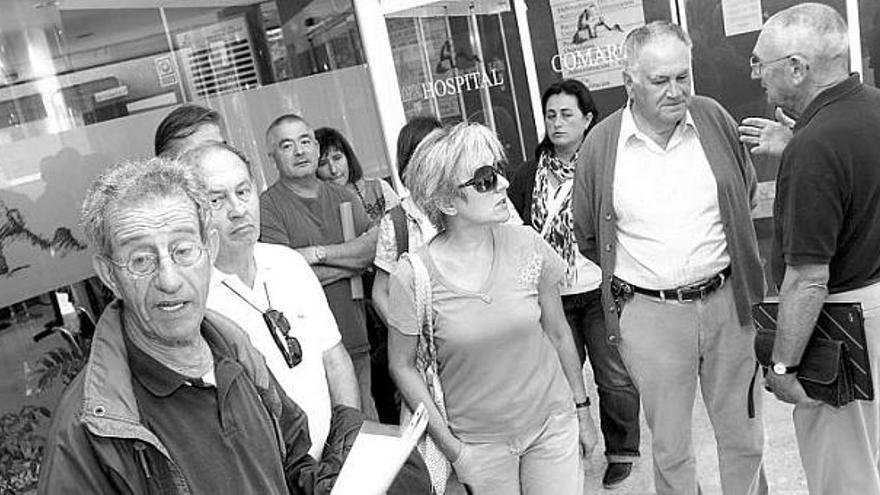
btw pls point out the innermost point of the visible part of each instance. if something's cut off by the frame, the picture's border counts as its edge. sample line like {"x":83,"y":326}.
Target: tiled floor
{"x":784,"y":473}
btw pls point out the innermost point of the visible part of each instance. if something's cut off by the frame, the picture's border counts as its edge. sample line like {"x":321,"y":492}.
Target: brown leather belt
{"x":688,"y":293}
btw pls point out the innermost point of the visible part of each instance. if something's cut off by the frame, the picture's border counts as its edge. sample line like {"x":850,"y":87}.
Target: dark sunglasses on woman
{"x":485,"y":178}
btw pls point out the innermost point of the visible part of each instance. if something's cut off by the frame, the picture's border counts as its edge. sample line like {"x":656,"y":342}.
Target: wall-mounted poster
{"x":741,"y":16}
{"x":589,"y":36}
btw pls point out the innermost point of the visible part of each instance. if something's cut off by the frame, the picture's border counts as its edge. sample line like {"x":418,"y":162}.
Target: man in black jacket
{"x":173,"y":399}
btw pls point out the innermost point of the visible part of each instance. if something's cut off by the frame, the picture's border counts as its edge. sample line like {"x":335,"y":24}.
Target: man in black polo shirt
{"x":827,"y":214}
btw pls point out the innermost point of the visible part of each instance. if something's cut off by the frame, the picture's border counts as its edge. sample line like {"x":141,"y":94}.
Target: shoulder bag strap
{"x":401,"y":229}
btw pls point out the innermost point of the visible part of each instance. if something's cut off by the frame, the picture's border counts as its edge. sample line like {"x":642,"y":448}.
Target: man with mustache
{"x":302,"y":212}
{"x":662,"y":199}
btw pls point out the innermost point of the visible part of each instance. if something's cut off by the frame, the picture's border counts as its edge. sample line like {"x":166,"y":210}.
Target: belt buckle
{"x":679,"y":294}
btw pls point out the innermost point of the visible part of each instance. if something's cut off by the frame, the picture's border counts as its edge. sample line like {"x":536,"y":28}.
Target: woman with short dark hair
{"x":338,"y":163}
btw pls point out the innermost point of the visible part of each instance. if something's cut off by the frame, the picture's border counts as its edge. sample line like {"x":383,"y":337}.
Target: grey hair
{"x":134,"y":182}
{"x":438,"y":165}
{"x":638,"y":38}
{"x":813,"y":29}
{"x":195,"y":156}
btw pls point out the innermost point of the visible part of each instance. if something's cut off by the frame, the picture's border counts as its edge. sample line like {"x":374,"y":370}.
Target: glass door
{"x":724,"y":33}
{"x":869,"y":21}
{"x":461,"y":61}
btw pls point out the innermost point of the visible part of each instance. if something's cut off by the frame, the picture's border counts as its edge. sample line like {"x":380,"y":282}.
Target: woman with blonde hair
{"x":516,"y":409}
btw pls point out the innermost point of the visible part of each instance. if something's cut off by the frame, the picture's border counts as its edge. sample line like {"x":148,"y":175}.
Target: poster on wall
{"x":741,"y":16}
{"x":423,"y":59}
{"x":589,"y":36}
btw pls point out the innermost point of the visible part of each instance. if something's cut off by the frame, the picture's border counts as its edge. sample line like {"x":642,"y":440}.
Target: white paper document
{"x":378,"y":453}
{"x":741,"y":16}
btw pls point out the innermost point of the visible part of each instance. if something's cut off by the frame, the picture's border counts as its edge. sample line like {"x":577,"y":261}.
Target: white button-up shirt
{"x":669,"y":229}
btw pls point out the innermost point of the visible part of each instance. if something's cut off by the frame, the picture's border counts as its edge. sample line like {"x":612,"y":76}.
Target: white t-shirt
{"x":294,"y":290}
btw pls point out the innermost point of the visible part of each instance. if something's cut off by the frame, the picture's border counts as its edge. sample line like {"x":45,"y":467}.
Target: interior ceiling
{"x":34,"y":14}
{"x":148,"y":4}
{"x":439,"y":8}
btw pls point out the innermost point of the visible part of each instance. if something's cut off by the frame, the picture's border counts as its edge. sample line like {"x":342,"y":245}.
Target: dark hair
{"x":328,"y":138}
{"x":585,"y":102}
{"x":182,"y":122}
{"x":194,"y":157}
{"x":287,"y":117}
{"x":411,"y":135}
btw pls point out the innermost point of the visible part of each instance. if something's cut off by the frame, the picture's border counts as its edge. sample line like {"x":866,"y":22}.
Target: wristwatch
{"x":320,"y":254}
{"x":781,"y":369}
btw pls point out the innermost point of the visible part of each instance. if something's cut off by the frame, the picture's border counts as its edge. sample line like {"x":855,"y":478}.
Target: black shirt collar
{"x":158,"y":379}
{"x":827,"y":97}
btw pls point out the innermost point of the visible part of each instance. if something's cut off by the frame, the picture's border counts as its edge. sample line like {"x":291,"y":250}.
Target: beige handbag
{"x":426,"y":362}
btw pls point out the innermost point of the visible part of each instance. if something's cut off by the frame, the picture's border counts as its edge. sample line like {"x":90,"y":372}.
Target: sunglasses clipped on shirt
{"x":278,"y":326}
{"x":485,"y":178}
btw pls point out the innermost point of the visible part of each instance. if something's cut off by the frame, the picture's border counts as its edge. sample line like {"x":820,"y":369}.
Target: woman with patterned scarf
{"x":541,"y":192}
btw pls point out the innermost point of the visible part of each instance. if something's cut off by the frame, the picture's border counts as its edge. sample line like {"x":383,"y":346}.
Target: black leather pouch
{"x":824,"y":372}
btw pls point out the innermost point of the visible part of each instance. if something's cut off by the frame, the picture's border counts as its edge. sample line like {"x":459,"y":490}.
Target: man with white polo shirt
{"x":253,"y":282}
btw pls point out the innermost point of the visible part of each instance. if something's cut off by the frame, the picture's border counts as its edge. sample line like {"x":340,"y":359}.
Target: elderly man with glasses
{"x":827,"y":234}
{"x":171,"y":400}
{"x":174,"y":399}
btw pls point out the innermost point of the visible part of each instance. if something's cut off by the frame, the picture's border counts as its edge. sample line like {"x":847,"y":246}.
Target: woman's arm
{"x":380,"y":294}
{"x":401,"y":363}
{"x":556,"y":326}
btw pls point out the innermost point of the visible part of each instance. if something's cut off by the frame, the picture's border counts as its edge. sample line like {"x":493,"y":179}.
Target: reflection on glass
{"x":61,"y":69}
{"x":452,"y":61}
{"x":65,"y":74}
{"x":869,"y":19}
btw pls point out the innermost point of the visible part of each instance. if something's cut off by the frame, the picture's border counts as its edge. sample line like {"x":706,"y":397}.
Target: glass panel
{"x":721,"y":70}
{"x":576,"y":39}
{"x":319,"y":35}
{"x":721,"y":61}
{"x":83,"y":88}
{"x":462,"y":61}
{"x":869,"y":18}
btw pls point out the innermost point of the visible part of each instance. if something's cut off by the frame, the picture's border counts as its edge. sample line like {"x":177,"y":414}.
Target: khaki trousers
{"x":543,"y":461}
{"x":840,"y":448}
{"x":668,"y":347}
